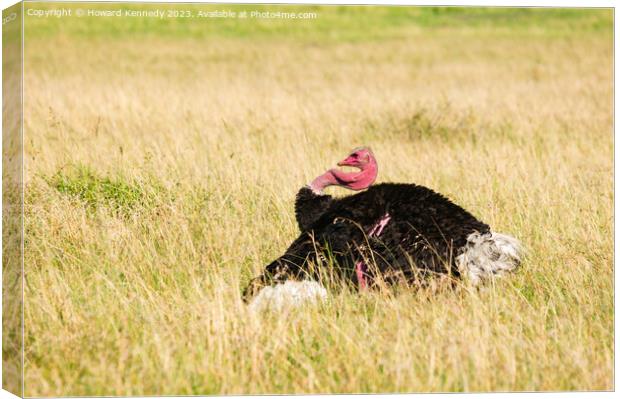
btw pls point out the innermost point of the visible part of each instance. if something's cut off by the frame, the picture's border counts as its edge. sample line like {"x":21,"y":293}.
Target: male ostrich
{"x":398,"y":232}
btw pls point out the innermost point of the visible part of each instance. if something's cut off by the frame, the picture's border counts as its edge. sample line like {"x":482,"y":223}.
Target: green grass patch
{"x":115,"y":193}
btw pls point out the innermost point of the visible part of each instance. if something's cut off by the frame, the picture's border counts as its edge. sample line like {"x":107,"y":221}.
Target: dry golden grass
{"x":161,"y":174}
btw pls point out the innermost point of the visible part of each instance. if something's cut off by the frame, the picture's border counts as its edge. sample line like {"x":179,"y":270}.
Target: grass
{"x":162,"y":162}
{"x":94,"y":191}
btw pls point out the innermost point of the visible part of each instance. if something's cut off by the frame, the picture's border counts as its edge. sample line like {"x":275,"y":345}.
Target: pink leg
{"x":360,"y":267}
{"x":377,"y":229}
{"x":360,"y":270}
{"x":382,"y":223}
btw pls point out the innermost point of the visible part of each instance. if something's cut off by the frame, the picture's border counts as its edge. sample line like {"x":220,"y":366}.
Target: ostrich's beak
{"x":349,"y":161}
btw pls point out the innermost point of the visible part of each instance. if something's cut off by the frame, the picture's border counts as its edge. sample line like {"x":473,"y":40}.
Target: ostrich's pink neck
{"x":351,"y":180}
{"x":325,"y":180}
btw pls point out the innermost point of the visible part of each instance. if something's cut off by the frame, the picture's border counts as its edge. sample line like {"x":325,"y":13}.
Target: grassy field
{"x":163,"y":157}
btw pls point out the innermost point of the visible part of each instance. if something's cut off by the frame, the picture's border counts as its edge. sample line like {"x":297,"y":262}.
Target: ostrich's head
{"x":361,"y":158}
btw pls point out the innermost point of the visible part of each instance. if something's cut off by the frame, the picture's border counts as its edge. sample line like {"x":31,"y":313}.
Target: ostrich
{"x":391,"y":232}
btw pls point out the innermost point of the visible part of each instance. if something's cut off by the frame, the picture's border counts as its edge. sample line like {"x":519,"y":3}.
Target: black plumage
{"x":309,"y":207}
{"x":424,"y":233}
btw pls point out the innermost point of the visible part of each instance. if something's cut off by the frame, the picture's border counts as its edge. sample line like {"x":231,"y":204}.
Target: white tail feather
{"x":291,"y":294}
{"x":488,"y":255}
